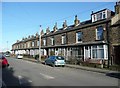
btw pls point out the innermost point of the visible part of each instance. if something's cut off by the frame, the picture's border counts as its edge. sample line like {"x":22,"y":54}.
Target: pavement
{"x":79,"y":67}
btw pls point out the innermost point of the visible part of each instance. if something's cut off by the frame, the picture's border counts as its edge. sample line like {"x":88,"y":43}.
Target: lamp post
{"x":40,"y":44}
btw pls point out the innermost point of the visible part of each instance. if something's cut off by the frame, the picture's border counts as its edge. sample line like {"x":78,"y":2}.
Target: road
{"x":26,"y":73}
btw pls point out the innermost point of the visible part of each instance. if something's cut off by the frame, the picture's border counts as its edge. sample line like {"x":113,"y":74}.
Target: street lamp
{"x":40,"y":44}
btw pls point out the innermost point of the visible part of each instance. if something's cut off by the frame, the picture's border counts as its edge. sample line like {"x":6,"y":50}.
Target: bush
{"x":43,"y":57}
{"x":115,"y":67}
{"x":36,"y":57}
{"x":28,"y":56}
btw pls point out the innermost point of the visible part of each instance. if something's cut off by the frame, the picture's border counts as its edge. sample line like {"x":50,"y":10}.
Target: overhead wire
{"x":81,"y":12}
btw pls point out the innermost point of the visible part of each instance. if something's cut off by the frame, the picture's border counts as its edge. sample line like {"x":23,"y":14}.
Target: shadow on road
{"x":115,"y":75}
{"x":12,"y":81}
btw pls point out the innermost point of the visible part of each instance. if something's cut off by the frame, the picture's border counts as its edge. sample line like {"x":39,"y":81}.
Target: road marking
{"x":47,"y":76}
{"x":30,"y":62}
{"x":19,"y":78}
{"x":29,"y":81}
{"x":22,"y":80}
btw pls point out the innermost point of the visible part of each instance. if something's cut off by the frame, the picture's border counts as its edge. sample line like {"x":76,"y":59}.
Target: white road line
{"x":47,"y":76}
{"x":19,"y":78}
{"x":29,"y":81}
{"x":22,"y":80}
{"x":30,"y":62}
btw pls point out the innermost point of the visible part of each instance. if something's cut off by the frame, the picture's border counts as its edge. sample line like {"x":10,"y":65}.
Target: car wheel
{"x":53,"y":64}
{"x":7,"y":65}
{"x":45,"y":63}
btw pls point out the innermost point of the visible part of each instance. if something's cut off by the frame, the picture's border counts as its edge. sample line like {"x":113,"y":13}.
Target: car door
{"x":48,"y":61}
{"x":51,"y":60}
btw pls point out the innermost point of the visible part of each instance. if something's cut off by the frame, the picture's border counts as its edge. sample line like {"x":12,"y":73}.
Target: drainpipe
{"x":108,"y":43}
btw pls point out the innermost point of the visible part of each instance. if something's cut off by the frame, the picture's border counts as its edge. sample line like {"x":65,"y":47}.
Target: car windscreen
{"x":59,"y":58}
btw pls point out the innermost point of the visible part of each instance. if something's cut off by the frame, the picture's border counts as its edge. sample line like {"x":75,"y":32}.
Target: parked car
{"x":19,"y":56}
{"x":7,"y":55}
{"x":3,"y":61}
{"x":55,"y":61}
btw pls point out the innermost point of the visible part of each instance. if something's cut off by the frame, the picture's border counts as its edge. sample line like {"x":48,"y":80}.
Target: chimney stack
{"x":117,"y":7}
{"x":47,"y":30}
{"x":76,"y":21}
{"x":42,"y":32}
{"x":37,"y":35}
{"x":55,"y":27}
{"x":65,"y":24}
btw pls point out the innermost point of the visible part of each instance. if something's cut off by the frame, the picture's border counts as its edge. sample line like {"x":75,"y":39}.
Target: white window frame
{"x":63,"y":39}
{"x":25,"y":45}
{"x":28,"y":45}
{"x":104,"y":13}
{"x":97,"y":49}
{"x":96,"y":18}
{"x":105,"y":52}
{"x":19,"y":46}
{"x":33,"y":43}
{"x":44,"y":42}
{"x":77,"y":38}
{"x":38,"y":43}
{"x":52,"y":40}
{"x":99,"y":16}
{"x":97,"y":37}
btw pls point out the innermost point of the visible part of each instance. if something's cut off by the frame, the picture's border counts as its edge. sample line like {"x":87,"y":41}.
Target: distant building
{"x":93,"y":39}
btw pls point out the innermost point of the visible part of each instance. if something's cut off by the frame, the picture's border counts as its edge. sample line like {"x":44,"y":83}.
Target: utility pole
{"x":40,"y":44}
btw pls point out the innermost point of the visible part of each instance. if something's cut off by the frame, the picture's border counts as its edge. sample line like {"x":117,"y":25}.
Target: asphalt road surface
{"x":26,"y":73}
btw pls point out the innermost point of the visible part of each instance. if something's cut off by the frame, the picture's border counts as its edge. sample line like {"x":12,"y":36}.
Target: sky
{"x":21,"y":19}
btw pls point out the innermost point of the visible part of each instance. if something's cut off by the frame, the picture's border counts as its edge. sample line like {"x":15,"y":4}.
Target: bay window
{"x":98,"y":51}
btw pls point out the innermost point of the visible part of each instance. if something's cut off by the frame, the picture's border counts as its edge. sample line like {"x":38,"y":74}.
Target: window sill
{"x":79,"y":42}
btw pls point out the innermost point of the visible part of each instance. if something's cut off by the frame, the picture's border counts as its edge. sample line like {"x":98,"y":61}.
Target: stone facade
{"x":83,"y":40}
{"x":71,"y":37}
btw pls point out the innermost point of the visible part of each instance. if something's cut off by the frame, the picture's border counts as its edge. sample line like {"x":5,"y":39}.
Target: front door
{"x":117,"y":54}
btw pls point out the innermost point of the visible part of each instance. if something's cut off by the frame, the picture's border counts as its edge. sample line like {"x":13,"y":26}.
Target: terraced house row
{"x":95,"y":39}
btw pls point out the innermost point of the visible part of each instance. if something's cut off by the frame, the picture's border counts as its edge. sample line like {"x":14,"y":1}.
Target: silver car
{"x":55,"y":61}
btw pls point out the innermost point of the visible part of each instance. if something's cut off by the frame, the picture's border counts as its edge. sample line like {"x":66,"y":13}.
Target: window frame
{"x":77,"y":36}
{"x":33,"y":43}
{"x":96,"y":50}
{"x":98,"y":36}
{"x":63,"y":39}
{"x":38,"y":43}
{"x":44,"y":42}
{"x":52,"y":41}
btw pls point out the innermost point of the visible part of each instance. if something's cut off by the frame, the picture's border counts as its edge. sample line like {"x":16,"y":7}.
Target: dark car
{"x":3,"y":61}
{"x":55,"y":61}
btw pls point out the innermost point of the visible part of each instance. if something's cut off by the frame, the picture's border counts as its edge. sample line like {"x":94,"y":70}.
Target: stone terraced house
{"x":96,"y":39}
